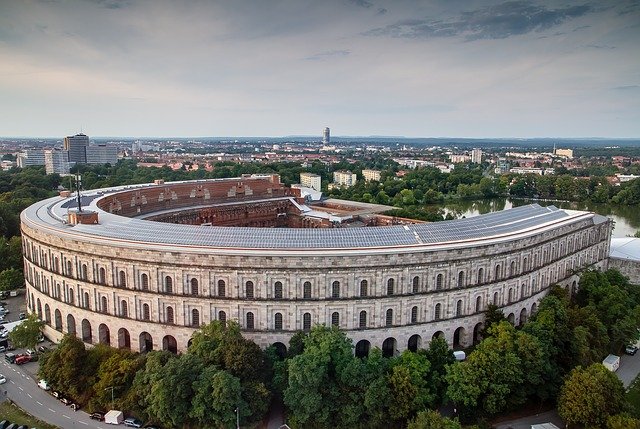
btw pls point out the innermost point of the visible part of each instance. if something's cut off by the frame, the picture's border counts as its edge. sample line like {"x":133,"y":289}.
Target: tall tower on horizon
{"x":76,"y":147}
{"x":326,"y":135}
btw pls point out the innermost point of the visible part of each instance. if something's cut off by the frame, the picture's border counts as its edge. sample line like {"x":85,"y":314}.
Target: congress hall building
{"x":144,"y":266}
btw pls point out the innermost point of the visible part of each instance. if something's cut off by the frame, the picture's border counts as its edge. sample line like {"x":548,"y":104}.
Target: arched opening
{"x":58,"y":320}
{"x":459,"y":308}
{"x":124,"y":340}
{"x":480,"y":275}
{"x":222,"y":316}
{"x":87,"y":337}
{"x":39,"y":306}
{"x":390,"y":286}
{"x":335,"y":289}
{"x":105,"y":307}
{"x":478,"y":304}
{"x":438,"y":334}
{"x":85,"y":300}
{"x":523,"y":316}
{"x":195,"y":317}
{"x":364,"y":286}
{"x":306,"y":290}
{"x":124,"y":309}
{"x":511,"y":318}
{"x":437,"y":313}
{"x":534,"y":307}
{"x":170,"y":344}
{"x":458,"y":338}
{"x":389,"y":347}
{"x":277,"y":321}
{"x":71,"y":325}
{"x":168,"y":284}
{"x":248,"y":289}
{"x":362,"y":320}
{"x":574,"y":288}
{"x":389,"y":318}
{"x":277,"y":290}
{"x":145,"y":282}
{"x":102,"y":276}
{"x":250,"y":321}
{"x":414,"y":343}
{"x":477,"y":333}
{"x":416,"y":284}
{"x":497,"y":273}
{"x":146,"y":312}
{"x":414,"y":314}
{"x":439,"y":279}
{"x":104,"y":336}
{"x":85,"y":275}
{"x":146,"y":342}
{"x":461,"y":279}
{"x":281,"y":350}
{"x":194,"y":287}
{"x":122,"y":276}
{"x":510,"y":296}
{"x":222,"y":288}
{"x":362,"y":348}
{"x":335,"y":319}
{"x":47,"y":314}
{"x":306,"y":322}
{"x":513,"y":269}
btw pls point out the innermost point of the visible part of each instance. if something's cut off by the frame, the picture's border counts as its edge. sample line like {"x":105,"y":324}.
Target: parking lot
{"x":15,"y":305}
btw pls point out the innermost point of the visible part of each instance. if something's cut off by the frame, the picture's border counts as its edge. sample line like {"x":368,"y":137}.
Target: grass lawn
{"x":633,"y":397}
{"x":15,"y":415}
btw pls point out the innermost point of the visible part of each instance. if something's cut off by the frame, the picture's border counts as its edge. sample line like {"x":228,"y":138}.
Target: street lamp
{"x":111,"y":387}
{"x":237,"y":417}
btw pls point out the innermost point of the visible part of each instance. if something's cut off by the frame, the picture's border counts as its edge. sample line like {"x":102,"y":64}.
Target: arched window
{"x":170,"y":316}
{"x":222,"y":316}
{"x":277,"y":321}
{"x":510,"y":296}
{"x":513,"y":269}
{"x":497,"y":272}
{"x":478,"y":304}
{"x":250,"y":320}
{"x":69,"y":268}
{"x":461,"y":279}
{"x":437,"y":312}
{"x":277,"y":290}
{"x":524,"y":288}
{"x":459,"y":308}
{"x":145,"y":282}
{"x":363,"y":319}
{"x":248,"y":289}
{"x":335,"y":318}
{"x":533,"y":285}
{"x":495,"y":298}
{"x":85,"y":276}
{"x":306,"y":321}
{"x":480,"y":275}
{"x":364,"y":286}
{"x":414,"y":314}
{"x":102,"y":277}
{"x":168,"y":284}
{"x":416,"y":284}
{"x":122,"y":278}
{"x":56,"y":264}
{"x":439,"y":278}
{"x":124,"y":308}
{"x":221,"y":288}
{"x":525,"y":264}
{"x":71,"y":298}
{"x":335,"y":289}
{"x":194,"y":286}
{"x":195,"y":317}
{"x":146,"y":313}
{"x":390,"y":286}
{"x":389,"y":318}
{"x":85,"y":302}
{"x":306,"y":290}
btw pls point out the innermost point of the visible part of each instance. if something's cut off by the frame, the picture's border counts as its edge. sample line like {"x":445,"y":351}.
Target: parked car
{"x":10,"y":357}
{"x":43,"y":384}
{"x":22,"y":316}
{"x":631,"y":350}
{"x":132,"y":423}
{"x":22,"y":359}
{"x":4,"y":424}
{"x":42,"y":349}
{"x":66,"y":401}
{"x":56,"y":394}
{"x":3,"y":379}
{"x":97,"y":416}
{"x":2,"y":349}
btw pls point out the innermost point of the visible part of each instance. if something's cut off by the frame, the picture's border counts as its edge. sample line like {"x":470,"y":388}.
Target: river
{"x":626,"y":218}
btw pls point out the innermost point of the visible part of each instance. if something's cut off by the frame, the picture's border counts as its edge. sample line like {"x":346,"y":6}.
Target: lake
{"x":626,"y":218}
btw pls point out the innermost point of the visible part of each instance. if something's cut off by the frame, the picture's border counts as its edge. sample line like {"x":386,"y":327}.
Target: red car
{"x":22,"y":359}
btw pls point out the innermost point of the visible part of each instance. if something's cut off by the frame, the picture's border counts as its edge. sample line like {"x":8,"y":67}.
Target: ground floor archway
{"x":414,"y":343}
{"x":362,"y":348}
{"x":170,"y":344}
{"x":146,"y":342}
{"x":104,"y":335}
{"x":124,"y":339}
{"x":87,"y":335}
{"x":389,"y":347}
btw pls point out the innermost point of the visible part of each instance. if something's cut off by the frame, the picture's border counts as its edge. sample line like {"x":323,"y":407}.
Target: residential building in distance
{"x":55,"y":161}
{"x":459,"y":158}
{"x":532,"y":170}
{"x":30,"y":157}
{"x":101,"y":154}
{"x":76,"y":147}
{"x":567,"y":153}
{"x":344,"y":178}
{"x":502,"y":166}
{"x":370,"y":175}
{"x":326,"y":135}
{"x":476,"y":156}
{"x":311,"y":180}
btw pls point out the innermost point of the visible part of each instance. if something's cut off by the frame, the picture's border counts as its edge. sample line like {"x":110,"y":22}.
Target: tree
{"x":590,"y":395}
{"x":440,"y":356}
{"x":217,"y":396}
{"x":431,"y":419}
{"x":621,"y":421}
{"x":409,"y":385}
{"x":63,"y":367}
{"x":11,"y":279}
{"x":26,"y":334}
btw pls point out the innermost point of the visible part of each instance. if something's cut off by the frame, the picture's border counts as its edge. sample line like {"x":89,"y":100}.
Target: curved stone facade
{"x":153,"y":293}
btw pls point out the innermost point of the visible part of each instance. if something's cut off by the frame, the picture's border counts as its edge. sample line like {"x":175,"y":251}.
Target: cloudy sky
{"x":457,"y":68}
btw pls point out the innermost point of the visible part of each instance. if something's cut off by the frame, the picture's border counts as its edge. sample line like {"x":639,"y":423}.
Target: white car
{"x":3,"y":379}
{"x":43,"y":385}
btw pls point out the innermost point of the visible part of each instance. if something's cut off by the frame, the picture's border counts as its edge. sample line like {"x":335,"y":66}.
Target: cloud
{"x":329,"y":54}
{"x":595,"y":46}
{"x":362,"y":3}
{"x":627,"y":88}
{"x":494,"y":22}
{"x":111,"y":4}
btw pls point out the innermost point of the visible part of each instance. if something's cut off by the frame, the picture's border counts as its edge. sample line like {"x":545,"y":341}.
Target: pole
{"x":237,"y":417}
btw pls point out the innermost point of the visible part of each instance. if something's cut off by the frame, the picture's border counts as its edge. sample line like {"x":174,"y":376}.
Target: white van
{"x":43,"y":385}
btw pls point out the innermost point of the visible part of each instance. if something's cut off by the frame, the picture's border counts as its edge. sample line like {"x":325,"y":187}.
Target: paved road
{"x":21,"y":388}
{"x":629,"y":369}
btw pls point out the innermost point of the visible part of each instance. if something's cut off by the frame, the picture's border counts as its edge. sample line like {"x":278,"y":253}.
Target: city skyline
{"x":480,"y":69}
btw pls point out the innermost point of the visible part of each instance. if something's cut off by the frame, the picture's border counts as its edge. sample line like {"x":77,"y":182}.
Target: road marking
{"x":53,"y":411}
{"x":12,"y":382}
{"x":38,"y":402}
{"x":83,"y":423}
{"x":67,"y":417}
{"x":20,"y":387}
{"x":29,"y":396}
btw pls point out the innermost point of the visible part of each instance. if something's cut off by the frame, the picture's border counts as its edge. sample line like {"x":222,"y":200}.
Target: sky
{"x":439,"y":68}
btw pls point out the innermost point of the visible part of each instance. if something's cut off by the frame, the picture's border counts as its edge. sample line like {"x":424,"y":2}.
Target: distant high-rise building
{"x":102,"y":154}
{"x":344,"y":178}
{"x":76,"y":148}
{"x":55,"y":161}
{"x":326,"y":135}
{"x":476,"y":156}
{"x":311,"y":180}
{"x":30,"y":157}
{"x":370,"y":175}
